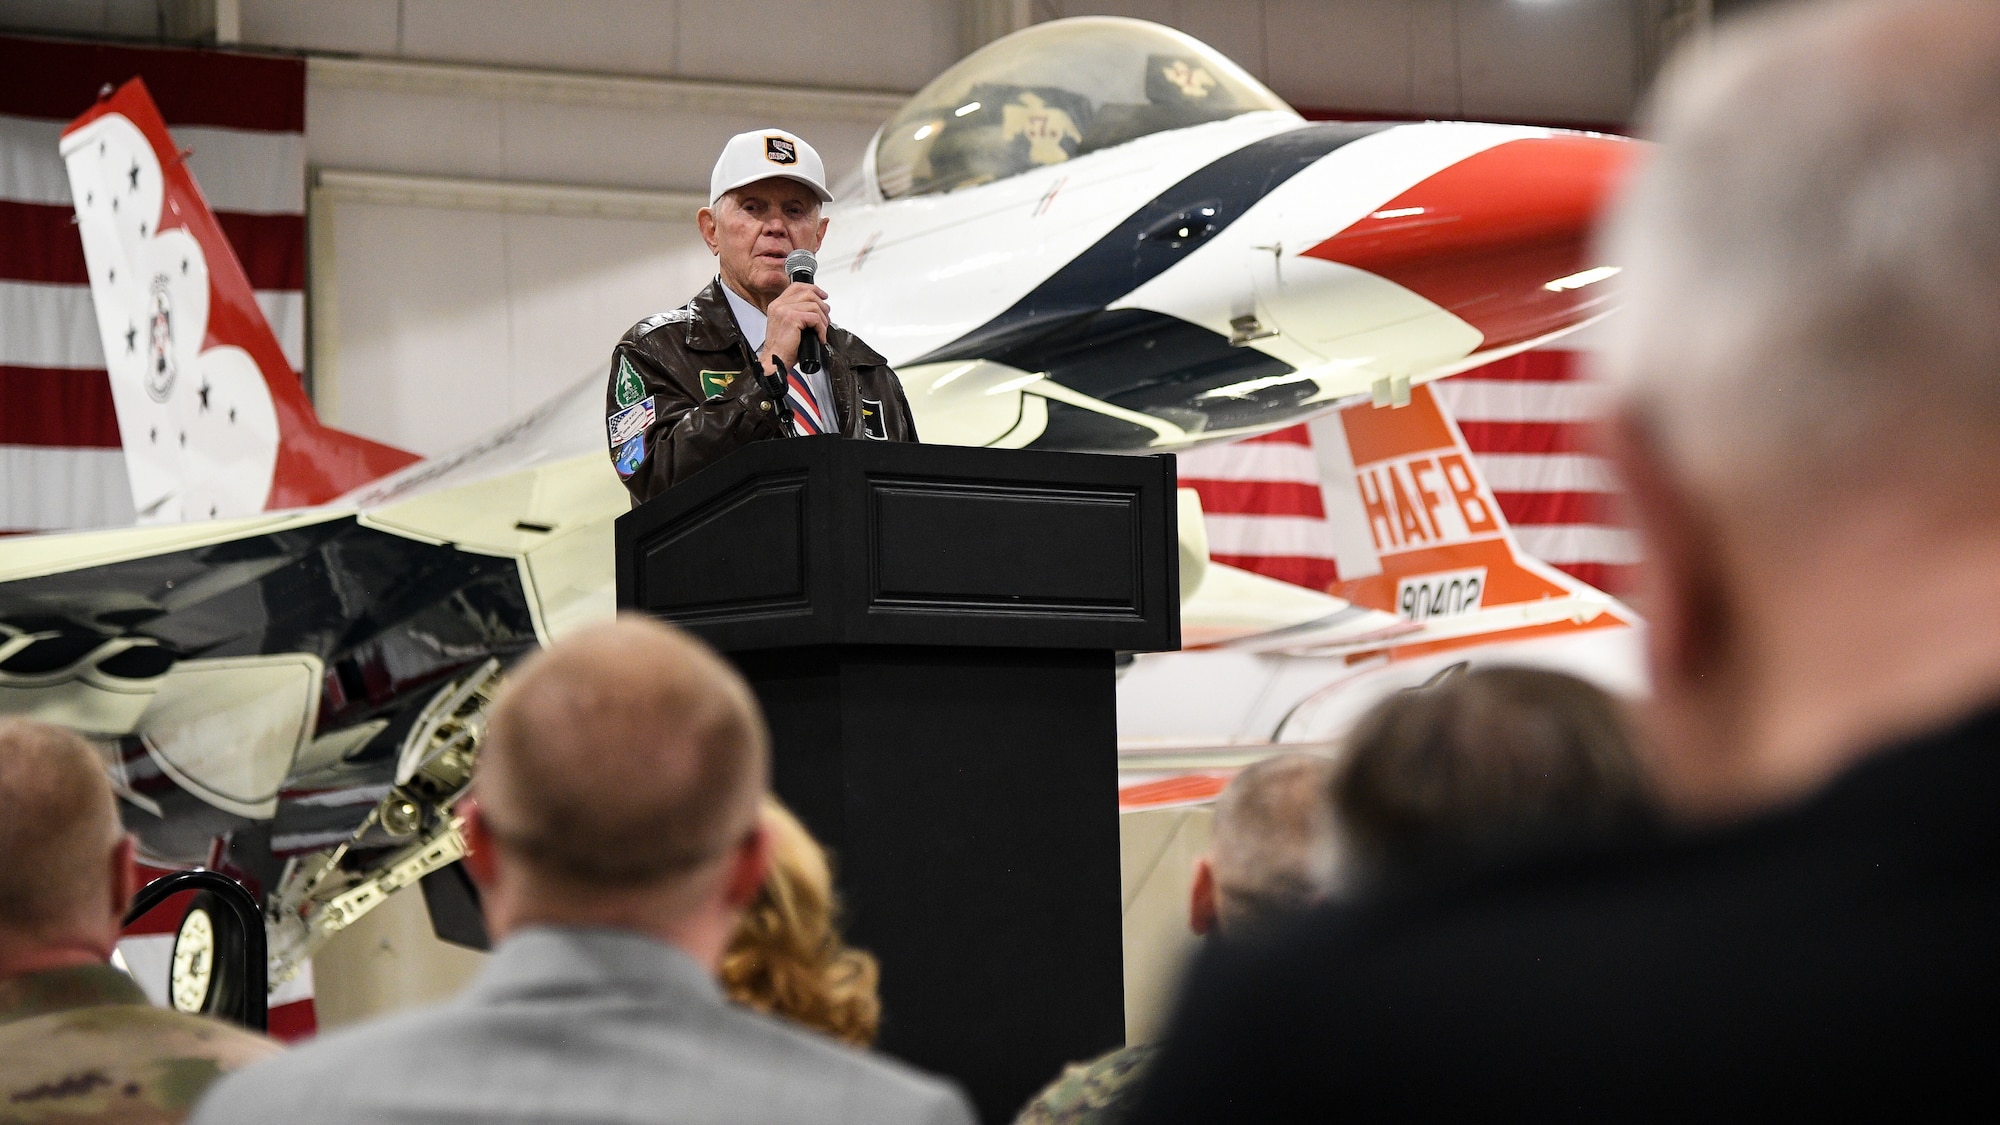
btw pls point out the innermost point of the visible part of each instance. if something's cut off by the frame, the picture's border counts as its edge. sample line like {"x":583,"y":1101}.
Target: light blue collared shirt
{"x":754,"y":325}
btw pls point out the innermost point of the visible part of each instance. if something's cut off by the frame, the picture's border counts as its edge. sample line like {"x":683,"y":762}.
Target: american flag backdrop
{"x":243,"y":117}
{"x":1525,"y":419}
{"x":60,"y":466}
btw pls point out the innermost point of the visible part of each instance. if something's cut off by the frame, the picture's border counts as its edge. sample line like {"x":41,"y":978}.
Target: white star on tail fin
{"x":213,"y":419}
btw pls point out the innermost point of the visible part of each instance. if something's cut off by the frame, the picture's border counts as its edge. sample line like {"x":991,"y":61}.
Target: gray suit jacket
{"x":574,"y":1026}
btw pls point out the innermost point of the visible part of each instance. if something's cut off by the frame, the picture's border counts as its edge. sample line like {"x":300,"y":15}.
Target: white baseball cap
{"x":761,"y":154}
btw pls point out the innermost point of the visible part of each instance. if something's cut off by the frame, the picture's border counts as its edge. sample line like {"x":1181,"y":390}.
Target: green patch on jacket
{"x":714,"y":383}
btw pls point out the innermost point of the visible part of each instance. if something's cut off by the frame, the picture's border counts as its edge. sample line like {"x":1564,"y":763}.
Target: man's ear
{"x":124,"y":878}
{"x":749,"y":864}
{"x":479,"y":843}
{"x":705,"y":219}
{"x":1201,"y":897}
{"x":820,"y":238}
{"x":1680,"y":587}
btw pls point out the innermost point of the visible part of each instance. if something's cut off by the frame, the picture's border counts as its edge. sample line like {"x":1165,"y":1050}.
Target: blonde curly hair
{"x":787,"y":958}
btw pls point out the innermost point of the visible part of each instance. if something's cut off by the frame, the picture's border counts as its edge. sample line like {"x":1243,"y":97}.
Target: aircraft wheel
{"x":208,"y":955}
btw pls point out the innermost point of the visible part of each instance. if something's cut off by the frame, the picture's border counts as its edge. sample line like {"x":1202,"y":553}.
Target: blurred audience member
{"x":787,"y":958}
{"x":1271,"y":848}
{"x":616,"y":838}
{"x":1806,"y":378}
{"x":1271,"y":856}
{"x":78,"y":1041}
{"x":1480,"y":766}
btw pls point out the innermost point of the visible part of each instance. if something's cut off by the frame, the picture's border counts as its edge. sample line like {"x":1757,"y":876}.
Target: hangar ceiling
{"x":1576,"y":60}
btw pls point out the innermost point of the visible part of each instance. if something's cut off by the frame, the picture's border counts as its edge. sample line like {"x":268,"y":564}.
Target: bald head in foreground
{"x":79,"y":1042}
{"x":1806,"y":378}
{"x":616,"y":840}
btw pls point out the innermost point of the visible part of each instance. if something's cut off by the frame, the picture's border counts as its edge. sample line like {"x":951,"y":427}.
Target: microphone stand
{"x":774,"y":386}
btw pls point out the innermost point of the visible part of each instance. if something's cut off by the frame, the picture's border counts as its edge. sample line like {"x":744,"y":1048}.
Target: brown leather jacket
{"x":683,"y":392}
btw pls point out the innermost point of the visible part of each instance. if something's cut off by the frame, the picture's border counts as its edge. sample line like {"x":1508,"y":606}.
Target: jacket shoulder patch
{"x":631,"y":422}
{"x":626,"y":386}
{"x":873,"y":425}
{"x":714,"y":383}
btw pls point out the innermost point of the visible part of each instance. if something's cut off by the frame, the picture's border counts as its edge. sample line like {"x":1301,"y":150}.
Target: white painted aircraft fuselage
{"x":1182,"y":285}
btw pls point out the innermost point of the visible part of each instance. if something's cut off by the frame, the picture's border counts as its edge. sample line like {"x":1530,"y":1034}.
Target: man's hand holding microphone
{"x":798,"y":320}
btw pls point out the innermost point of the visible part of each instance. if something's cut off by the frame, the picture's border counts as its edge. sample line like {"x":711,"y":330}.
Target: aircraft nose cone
{"x":1500,"y":239}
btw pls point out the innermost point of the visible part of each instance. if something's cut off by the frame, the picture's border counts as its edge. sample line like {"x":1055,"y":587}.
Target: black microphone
{"x":812,"y":353}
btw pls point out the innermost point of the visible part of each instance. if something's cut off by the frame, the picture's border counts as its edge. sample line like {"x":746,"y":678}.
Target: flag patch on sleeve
{"x":631,"y":422}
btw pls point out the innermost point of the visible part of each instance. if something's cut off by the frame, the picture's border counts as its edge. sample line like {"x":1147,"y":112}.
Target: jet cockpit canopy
{"x":1051,"y":93}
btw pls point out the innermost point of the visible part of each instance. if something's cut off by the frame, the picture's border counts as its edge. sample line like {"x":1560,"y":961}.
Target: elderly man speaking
{"x":684,"y":389}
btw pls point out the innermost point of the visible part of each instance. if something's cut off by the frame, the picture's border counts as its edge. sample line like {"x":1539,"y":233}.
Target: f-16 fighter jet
{"x":1093,"y":235}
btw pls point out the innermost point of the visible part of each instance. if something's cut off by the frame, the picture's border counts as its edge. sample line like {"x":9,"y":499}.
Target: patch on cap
{"x":778,"y":150}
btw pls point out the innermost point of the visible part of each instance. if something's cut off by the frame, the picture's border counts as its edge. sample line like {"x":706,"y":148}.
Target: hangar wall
{"x":481,"y":236}
{"x":525,"y":167}
{"x":1582,"y":61}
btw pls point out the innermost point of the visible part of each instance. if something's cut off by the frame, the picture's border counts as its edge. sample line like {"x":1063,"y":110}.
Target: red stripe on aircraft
{"x":39,"y":243}
{"x":58,"y":80}
{"x":1484,"y":237}
{"x":1417,"y":650}
{"x":1172,"y":790}
{"x":57,"y":406}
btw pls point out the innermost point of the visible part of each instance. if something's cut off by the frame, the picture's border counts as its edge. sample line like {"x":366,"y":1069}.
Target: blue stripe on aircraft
{"x":1147,"y":244}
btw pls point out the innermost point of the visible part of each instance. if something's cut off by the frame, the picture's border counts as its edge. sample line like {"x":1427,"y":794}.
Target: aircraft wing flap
{"x":33,"y":556}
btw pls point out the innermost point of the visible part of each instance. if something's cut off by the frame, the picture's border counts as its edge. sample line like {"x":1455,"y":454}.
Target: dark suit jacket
{"x":1837,"y":958}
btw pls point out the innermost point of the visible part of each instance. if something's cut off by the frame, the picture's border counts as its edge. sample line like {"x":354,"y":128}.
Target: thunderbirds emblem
{"x":1051,"y":133}
{"x":1193,"y":81}
{"x":160,"y":370}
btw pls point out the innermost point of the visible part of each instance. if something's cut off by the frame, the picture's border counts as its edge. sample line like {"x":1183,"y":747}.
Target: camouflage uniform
{"x":1099,"y":1092}
{"x":83,"y":1045}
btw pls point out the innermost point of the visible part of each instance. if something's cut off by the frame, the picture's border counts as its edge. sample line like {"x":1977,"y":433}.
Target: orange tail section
{"x":1420,"y":535}
{"x":213,"y":419}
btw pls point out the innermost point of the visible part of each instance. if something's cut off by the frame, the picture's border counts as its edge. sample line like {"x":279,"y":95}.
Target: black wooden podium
{"x":932,"y":630}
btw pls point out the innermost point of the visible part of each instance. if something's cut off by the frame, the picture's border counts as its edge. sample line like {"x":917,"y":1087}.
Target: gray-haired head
{"x":1272,"y":841}
{"x":1812,"y":255}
